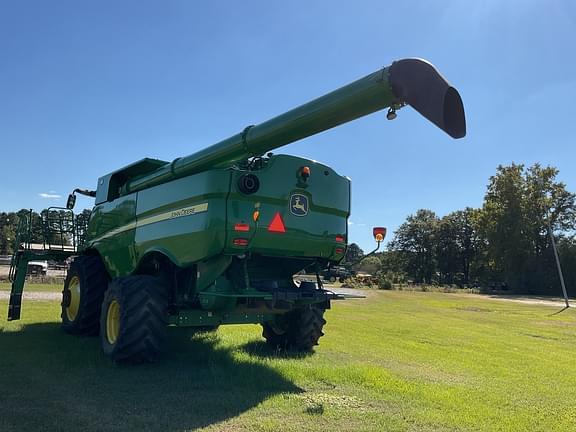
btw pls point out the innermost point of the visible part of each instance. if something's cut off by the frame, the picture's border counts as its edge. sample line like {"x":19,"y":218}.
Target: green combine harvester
{"x":216,"y":237}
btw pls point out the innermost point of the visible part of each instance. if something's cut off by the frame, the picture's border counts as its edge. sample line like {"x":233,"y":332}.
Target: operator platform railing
{"x":55,"y":233}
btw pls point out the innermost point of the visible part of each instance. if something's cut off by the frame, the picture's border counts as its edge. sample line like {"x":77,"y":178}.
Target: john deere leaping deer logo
{"x":299,"y":204}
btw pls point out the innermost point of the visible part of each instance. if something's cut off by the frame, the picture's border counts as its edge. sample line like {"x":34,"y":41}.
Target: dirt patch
{"x":348,"y":291}
{"x":533,"y":300}
{"x":5,"y":269}
{"x":34,"y":295}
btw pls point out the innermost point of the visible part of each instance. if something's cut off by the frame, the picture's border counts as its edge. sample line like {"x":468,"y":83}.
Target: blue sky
{"x":86,"y":87}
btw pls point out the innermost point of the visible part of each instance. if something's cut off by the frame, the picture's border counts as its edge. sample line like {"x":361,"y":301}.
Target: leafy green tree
{"x":517,"y":206}
{"x":353,"y":255}
{"x":458,"y":246}
{"x":415,"y":242}
{"x":370,"y":265}
{"x":392,"y":266}
{"x":567,"y":252}
{"x":7,"y":232}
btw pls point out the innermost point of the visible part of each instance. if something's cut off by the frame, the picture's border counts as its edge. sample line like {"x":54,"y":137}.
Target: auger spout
{"x":414,"y":82}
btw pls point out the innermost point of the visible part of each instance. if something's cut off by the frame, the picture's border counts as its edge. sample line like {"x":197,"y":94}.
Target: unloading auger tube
{"x":414,"y":82}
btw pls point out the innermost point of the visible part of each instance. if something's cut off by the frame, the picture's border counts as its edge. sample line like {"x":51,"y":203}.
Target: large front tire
{"x":134,"y":319}
{"x":82,"y":296}
{"x":299,"y":329}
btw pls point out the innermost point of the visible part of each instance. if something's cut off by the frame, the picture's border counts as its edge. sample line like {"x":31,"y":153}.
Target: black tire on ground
{"x":134,"y":319}
{"x":82,"y":295}
{"x":299,"y":329}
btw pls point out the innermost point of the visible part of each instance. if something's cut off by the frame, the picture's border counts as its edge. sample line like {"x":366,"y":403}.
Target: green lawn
{"x":395,"y":361}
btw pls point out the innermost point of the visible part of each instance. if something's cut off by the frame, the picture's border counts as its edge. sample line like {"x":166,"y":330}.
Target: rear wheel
{"x":82,"y":296}
{"x":299,"y":329}
{"x":134,"y":319}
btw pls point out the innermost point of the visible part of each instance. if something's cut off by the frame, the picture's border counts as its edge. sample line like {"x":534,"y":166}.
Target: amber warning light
{"x":379,"y":233}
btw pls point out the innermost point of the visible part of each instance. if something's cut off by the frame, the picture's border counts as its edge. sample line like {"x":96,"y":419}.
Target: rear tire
{"x":299,"y":329}
{"x":134,"y":319}
{"x":82,"y":295}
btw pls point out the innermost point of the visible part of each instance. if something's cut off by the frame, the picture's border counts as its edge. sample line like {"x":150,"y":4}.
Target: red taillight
{"x":277,"y":224}
{"x":242,"y":227}
{"x":339,"y":239}
{"x":339,"y":251}
{"x":240,"y":242}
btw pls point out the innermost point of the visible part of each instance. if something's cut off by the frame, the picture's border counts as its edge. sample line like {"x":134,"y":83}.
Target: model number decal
{"x":188,"y":211}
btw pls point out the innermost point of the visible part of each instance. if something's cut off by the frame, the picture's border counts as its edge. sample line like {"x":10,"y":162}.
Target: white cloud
{"x":356,"y":224}
{"x":50,"y":195}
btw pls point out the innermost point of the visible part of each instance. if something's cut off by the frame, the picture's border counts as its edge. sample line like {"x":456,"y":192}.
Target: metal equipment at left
{"x":54,"y":235}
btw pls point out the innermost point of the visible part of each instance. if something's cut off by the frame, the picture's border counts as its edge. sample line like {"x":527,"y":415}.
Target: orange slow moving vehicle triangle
{"x":277,"y":224}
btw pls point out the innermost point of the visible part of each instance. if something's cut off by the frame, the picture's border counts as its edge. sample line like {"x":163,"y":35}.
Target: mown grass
{"x":401,"y":361}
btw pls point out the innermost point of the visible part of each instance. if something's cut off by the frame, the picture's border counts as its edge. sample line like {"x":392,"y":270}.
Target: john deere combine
{"x":215,"y":237}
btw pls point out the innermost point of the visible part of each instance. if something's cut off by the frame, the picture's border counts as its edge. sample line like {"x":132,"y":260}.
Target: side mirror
{"x":71,"y":201}
{"x":379,"y":233}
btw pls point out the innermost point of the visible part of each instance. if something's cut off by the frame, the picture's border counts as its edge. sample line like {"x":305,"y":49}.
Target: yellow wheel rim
{"x":113,"y":322}
{"x":72,"y":308}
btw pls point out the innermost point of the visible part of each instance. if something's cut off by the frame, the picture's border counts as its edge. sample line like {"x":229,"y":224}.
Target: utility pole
{"x":557,"y":261}
{"x":556,"y":257}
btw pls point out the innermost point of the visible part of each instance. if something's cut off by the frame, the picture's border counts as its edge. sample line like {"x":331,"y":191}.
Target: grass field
{"x":394,"y":361}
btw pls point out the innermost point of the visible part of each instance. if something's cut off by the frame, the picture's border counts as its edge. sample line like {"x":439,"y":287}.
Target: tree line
{"x":504,"y":244}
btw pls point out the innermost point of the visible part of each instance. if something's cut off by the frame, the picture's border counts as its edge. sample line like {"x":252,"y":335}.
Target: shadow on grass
{"x":261,"y":350}
{"x":561,"y":310}
{"x":53,"y":381}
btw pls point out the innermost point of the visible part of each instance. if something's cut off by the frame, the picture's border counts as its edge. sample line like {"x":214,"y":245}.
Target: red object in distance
{"x":379,"y":230}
